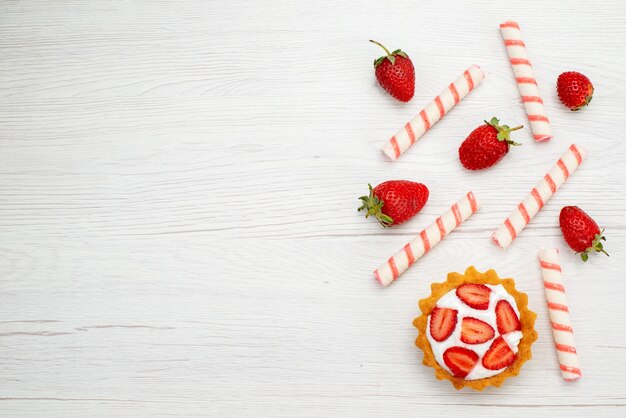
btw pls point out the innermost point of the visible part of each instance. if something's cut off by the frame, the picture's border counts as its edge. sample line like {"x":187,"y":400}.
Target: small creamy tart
{"x":486,"y":319}
{"x":475,"y":329}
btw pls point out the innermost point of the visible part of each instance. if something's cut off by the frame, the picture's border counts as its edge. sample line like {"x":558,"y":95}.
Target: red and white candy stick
{"x":428,"y":238}
{"x":526,"y":82}
{"x":539,"y":195}
{"x":434,"y":111}
{"x":559,"y":314}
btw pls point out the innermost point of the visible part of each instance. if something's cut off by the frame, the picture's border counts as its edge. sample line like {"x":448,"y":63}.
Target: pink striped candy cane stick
{"x":539,"y":195}
{"x":428,"y":238}
{"x":435,"y":110}
{"x":526,"y":82}
{"x":559,"y":314}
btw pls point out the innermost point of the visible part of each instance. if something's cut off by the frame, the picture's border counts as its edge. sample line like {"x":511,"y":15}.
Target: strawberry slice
{"x":460,"y":360}
{"x":475,"y":331}
{"x":474,"y":295}
{"x":442,"y":323}
{"x":506,"y":318}
{"x":499,"y":355}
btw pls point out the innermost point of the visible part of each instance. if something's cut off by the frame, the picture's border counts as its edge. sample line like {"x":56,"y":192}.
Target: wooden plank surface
{"x":178,"y":185}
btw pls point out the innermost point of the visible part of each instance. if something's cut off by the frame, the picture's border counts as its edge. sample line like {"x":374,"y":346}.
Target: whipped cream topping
{"x":450,"y":300}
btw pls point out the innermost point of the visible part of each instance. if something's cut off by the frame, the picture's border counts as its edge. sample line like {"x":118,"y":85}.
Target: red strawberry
{"x":574,"y":89}
{"x":499,"y":355}
{"x":460,"y":360}
{"x":581,"y":232}
{"x":475,"y":331}
{"x":474,"y":295}
{"x":506,"y":318}
{"x":395,"y":73}
{"x":486,"y":145}
{"x":442,"y":323}
{"x":395,"y":201}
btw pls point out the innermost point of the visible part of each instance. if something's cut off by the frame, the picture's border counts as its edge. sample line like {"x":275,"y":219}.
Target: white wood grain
{"x":178,"y":185}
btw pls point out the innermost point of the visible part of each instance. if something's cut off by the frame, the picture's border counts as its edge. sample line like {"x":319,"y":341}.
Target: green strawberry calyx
{"x":391,"y":56}
{"x":587,"y":100}
{"x":596,"y":246}
{"x":504,"y":131}
{"x":374,"y":206}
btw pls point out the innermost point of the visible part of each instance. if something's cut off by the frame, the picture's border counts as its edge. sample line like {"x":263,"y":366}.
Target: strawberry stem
{"x":504,"y":132}
{"x":382,"y":46}
{"x":391,"y":56}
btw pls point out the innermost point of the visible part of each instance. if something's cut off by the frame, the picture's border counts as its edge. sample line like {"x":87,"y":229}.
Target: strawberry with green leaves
{"x":395,"y":73}
{"x":486,"y":145}
{"x":581,"y":232}
{"x":395,"y":201}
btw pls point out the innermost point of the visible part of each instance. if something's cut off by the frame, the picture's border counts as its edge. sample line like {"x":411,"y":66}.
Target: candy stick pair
{"x":434,"y":111}
{"x":559,"y":314}
{"x":428,"y":238}
{"x":539,"y":195}
{"x":526,"y":82}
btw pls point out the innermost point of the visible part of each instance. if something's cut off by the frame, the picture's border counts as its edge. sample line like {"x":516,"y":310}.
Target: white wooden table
{"x":178,"y":193}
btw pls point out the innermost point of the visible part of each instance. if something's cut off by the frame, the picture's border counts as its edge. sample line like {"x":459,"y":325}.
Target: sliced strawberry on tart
{"x":506,"y":318}
{"x":475,"y":331}
{"x":442,"y":323}
{"x":460,"y":360}
{"x":499,"y":355}
{"x":474,"y":295}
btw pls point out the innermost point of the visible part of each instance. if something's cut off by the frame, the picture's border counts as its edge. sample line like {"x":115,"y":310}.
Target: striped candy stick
{"x":427,"y":239}
{"x":434,"y":111}
{"x":539,"y":195}
{"x":559,"y":314}
{"x":526,"y":82}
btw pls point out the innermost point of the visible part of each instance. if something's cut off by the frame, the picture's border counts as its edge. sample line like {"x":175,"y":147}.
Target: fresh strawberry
{"x":486,"y":145}
{"x":475,"y":331}
{"x":581,"y":232}
{"x":574,"y":89}
{"x":499,"y":355}
{"x":506,"y":318}
{"x":442,"y":323}
{"x":460,"y":360}
{"x":394,"y":201}
{"x":474,"y":295}
{"x":395,"y":73}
